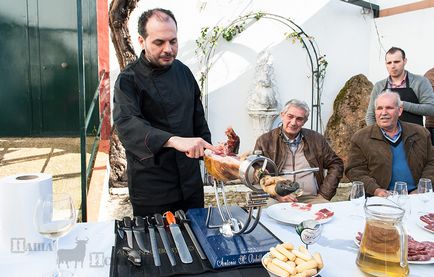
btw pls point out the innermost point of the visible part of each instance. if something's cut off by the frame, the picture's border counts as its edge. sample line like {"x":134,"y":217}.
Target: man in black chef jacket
{"x":160,"y":119}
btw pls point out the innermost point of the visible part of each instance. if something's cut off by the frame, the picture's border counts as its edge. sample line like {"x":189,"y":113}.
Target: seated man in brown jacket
{"x":292,"y":148}
{"x":390,"y":150}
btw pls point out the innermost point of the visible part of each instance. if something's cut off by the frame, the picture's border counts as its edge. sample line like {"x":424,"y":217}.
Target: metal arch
{"x":311,"y":50}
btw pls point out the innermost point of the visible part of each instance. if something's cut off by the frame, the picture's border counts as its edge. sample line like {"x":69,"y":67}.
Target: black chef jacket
{"x":150,"y":106}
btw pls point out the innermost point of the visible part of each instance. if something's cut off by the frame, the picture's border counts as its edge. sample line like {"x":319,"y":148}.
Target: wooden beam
{"x":420,"y":5}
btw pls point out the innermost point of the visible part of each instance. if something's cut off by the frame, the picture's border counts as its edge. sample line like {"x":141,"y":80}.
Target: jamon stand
{"x":255,"y":199}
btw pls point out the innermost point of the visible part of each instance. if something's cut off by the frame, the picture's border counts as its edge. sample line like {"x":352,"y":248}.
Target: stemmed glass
{"x":357,"y":197}
{"x":424,"y":190}
{"x":401,"y":195}
{"x":54,"y":217}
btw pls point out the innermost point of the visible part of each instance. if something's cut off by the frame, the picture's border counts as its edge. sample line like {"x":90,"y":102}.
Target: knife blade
{"x":119,"y":228}
{"x":153,"y":239}
{"x":138,"y":231}
{"x":160,"y":226}
{"x":182,"y":247}
{"x":128,"y":231}
{"x":183,"y":218}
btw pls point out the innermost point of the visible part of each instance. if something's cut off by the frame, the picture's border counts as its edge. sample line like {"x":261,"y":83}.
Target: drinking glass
{"x":357,"y":197}
{"x":54,"y":217}
{"x":401,"y":196}
{"x":425,"y":191}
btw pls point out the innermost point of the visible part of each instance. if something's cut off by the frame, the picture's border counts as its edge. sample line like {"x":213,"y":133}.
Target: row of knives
{"x":135,"y":229}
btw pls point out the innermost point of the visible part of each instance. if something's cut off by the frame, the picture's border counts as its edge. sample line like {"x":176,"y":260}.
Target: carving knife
{"x":138,"y":231}
{"x":182,"y":247}
{"x":160,"y":226}
{"x":182,"y":218}
{"x":153,"y":239}
{"x":128,"y":230}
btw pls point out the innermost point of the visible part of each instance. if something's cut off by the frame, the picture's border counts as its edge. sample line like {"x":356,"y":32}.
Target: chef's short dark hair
{"x":394,"y":49}
{"x":162,"y":14}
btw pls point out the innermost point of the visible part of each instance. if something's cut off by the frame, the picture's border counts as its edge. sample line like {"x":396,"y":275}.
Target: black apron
{"x":407,"y":94}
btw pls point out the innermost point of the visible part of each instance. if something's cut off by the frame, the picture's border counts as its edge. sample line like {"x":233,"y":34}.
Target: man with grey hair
{"x":293,"y":147}
{"x":390,"y":151}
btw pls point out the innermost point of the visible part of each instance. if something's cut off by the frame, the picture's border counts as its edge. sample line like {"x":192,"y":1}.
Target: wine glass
{"x":357,"y":196}
{"x":401,"y":195}
{"x":424,"y":190}
{"x":54,"y":217}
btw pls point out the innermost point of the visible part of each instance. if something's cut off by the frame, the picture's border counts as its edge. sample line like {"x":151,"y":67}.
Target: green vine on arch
{"x":209,"y":38}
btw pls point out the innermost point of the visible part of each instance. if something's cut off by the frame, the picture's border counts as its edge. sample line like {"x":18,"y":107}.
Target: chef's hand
{"x":192,"y":147}
{"x":287,"y":198}
{"x":381,"y":192}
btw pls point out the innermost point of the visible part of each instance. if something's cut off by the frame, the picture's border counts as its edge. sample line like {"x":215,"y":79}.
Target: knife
{"x":138,"y":231}
{"x":182,"y":247}
{"x":120,"y":229}
{"x":153,"y":239}
{"x":160,"y":226}
{"x":182,"y":218}
{"x":128,"y":230}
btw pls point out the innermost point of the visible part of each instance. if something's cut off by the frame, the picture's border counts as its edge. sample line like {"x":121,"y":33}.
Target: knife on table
{"x":128,"y":230}
{"x":160,"y":226}
{"x":182,"y":247}
{"x":120,"y":229}
{"x":153,"y":239}
{"x":183,"y":218}
{"x":139,"y":231}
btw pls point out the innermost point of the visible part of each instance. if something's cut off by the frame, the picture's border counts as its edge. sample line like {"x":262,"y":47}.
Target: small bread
{"x":302,"y":255}
{"x":285,"y":252}
{"x":306,"y":265}
{"x":309,"y":272}
{"x":267,"y":260}
{"x":285,"y":266}
{"x":317,"y":257}
{"x":288,"y":245}
{"x":303,"y":249}
{"x":291,"y":263}
{"x":298,"y":261}
{"x":273,"y":268}
{"x":277,"y":254}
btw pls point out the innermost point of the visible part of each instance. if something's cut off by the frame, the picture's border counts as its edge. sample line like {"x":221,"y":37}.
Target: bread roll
{"x":302,"y":255}
{"x":285,"y":252}
{"x":306,"y":265}
{"x":277,"y":254}
{"x":317,"y":257}
{"x":285,"y":266}
{"x":273,"y":268}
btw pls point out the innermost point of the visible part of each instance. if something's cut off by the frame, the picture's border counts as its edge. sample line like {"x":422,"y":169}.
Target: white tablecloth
{"x":336,"y":244}
{"x":98,"y":241}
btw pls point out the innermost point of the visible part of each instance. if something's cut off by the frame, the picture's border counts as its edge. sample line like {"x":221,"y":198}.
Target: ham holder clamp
{"x":228,"y":168}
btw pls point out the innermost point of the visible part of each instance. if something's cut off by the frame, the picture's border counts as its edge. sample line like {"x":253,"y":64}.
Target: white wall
{"x":345,"y":35}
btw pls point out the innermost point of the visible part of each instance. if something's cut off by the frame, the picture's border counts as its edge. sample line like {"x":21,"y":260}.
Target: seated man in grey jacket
{"x":415,"y":91}
{"x":292,"y":148}
{"x":390,"y":151}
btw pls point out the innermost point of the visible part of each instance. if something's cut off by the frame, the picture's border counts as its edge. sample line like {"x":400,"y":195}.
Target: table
{"x":336,"y":244}
{"x":98,"y":239}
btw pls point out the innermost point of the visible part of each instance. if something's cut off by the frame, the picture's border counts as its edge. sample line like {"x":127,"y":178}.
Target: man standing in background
{"x":414,"y":90}
{"x":429,"y":120}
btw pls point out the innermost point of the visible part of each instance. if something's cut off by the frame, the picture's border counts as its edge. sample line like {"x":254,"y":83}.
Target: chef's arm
{"x":192,"y":147}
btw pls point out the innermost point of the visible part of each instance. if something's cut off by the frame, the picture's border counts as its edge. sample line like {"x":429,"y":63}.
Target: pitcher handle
{"x":402,"y":238}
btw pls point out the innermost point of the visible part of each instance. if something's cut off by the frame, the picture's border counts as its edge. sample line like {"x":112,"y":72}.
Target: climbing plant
{"x":210,"y":37}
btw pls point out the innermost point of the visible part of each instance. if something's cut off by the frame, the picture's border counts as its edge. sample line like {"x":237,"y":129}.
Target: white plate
{"x":410,"y":262}
{"x":274,"y":275}
{"x":422,"y":224}
{"x":285,"y":212}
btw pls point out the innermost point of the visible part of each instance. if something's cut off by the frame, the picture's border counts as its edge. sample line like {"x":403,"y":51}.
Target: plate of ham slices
{"x":295,"y":213}
{"x":419,"y":252}
{"x":426,"y":221}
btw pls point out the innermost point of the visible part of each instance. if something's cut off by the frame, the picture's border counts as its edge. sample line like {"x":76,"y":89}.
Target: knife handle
{"x":127,"y":222}
{"x":139,"y":221}
{"x":170,"y":218}
{"x":159,"y":221}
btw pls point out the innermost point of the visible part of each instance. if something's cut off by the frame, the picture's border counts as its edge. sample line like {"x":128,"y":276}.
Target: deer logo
{"x":75,"y":254}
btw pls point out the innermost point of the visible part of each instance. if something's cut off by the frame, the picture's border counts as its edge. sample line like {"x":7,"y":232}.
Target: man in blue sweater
{"x":390,"y":150}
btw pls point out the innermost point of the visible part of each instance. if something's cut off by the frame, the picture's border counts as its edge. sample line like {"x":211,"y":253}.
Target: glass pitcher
{"x":383,"y":249}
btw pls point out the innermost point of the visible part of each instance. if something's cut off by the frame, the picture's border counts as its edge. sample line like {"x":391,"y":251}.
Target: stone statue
{"x":262,"y":103}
